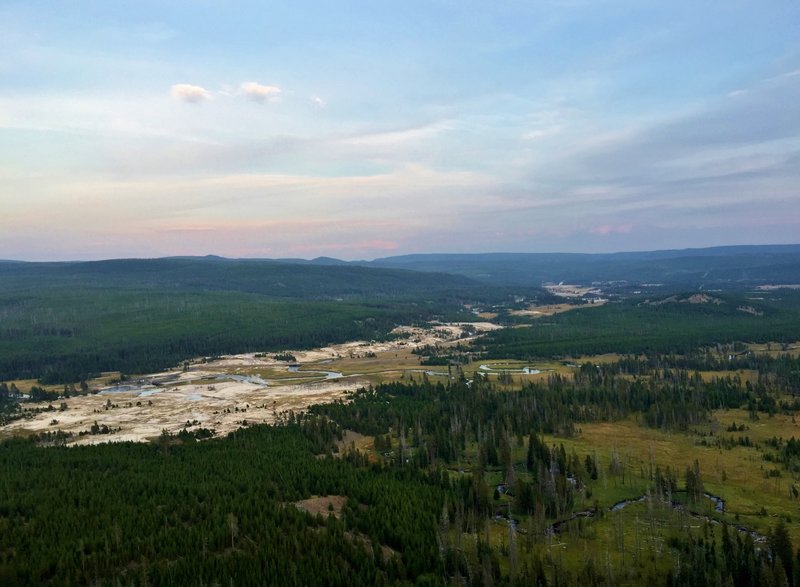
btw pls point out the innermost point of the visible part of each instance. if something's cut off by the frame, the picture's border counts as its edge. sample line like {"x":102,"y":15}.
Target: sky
{"x":364,"y":129}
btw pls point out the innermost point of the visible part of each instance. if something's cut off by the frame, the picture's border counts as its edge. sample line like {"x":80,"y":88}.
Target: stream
{"x":327,"y":374}
{"x":719,"y":506}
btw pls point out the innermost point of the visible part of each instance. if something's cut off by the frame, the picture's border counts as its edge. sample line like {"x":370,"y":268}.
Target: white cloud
{"x":395,"y":138}
{"x":541,"y":133}
{"x":319,"y":102}
{"x":227,"y":90}
{"x":189,"y":93}
{"x":260,"y":93}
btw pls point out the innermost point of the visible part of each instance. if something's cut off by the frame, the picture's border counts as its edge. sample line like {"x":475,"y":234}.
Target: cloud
{"x":189,"y":93}
{"x":764,"y":113}
{"x":541,"y":133}
{"x":227,"y":90}
{"x":319,"y":102}
{"x":259,"y":92}
{"x":607,"y":229}
{"x":715,"y":158}
{"x":394,"y":138}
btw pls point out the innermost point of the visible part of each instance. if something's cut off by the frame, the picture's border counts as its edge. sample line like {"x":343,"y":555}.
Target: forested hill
{"x":412,"y":275}
{"x":728,"y":267}
{"x":66,"y":321}
{"x":265,"y":277}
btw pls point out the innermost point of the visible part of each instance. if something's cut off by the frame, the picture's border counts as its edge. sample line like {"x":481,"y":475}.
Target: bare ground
{"x":232,"y":391}
{"x":329,"y":504}
{"x":222,"y":407}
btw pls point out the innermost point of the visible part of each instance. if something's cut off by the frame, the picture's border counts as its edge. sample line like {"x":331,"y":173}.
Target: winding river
{"x":719,"y":506}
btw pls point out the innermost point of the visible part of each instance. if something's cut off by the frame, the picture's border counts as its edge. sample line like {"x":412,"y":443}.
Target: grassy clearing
{"x":393,"y":360}
{"x":775,"y":349}
{"x":737,"y":475}
{"x":630,"y":545}
{"x":599,"y":359}
{"x":762,"y":429}
{"x":102,"y":380}
{"x":746,"y":375}
{"x":635,"y":543}
{"x":550,"y":309}
{"x":498,"y":365}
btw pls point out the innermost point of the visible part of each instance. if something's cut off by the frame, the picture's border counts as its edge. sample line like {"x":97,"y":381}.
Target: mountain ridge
{"x":720,"y":266}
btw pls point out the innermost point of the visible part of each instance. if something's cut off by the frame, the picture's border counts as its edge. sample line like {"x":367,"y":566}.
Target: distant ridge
{"x":328,"y":261}
{"x":726,"y":250}
{"x":721,"y":266}
{"x":724,"y":266}
{"x":261,"y":276}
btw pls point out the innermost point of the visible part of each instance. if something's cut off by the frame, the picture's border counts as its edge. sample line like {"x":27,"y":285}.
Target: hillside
{"x":62,"y":322}
{"x":671,"y":324}
{"x":265,"y":277}
{"x":728,"y":267}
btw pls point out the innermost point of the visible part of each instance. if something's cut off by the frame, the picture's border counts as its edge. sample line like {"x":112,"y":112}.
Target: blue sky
{"x":367,"y":129}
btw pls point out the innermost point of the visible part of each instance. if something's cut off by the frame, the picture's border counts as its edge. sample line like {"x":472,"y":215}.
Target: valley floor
{"x":225,"y":393}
